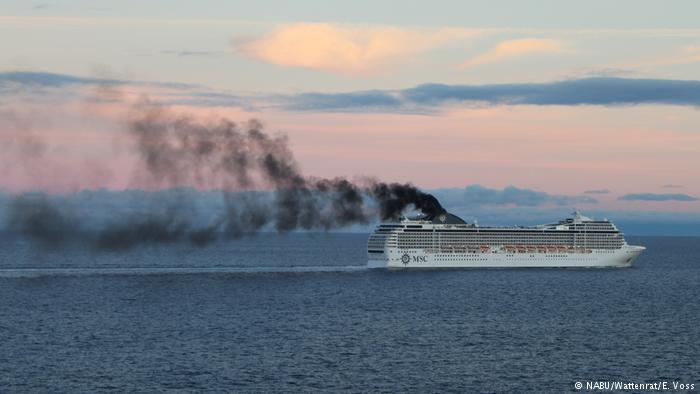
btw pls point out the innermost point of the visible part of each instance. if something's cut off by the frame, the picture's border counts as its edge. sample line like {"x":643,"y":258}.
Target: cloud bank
{"x":477,"y":195}
{"x":47,"y":79}
{"x":205,"y":205}
{"x":423,"y":98}
{"x":657,"y":197}
{"x":586,"y":91}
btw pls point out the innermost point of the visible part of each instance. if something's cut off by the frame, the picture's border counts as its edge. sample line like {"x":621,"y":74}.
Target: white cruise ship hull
{"x":419,"y":259}
{"x":447,"y":241}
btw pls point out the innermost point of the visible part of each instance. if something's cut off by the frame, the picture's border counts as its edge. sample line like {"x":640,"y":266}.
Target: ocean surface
{"x":300,"y":313}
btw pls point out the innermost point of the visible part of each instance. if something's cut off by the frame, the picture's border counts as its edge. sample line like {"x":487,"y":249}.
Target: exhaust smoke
{"x":259,"y":181}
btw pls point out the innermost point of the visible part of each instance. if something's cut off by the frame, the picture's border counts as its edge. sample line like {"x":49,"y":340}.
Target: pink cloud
{"x":345,"y":49}
{"x":686,"y":55}
{"x":515,"y":48}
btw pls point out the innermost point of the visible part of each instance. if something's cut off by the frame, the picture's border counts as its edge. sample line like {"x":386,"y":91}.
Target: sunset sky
{"x":501,"y":106}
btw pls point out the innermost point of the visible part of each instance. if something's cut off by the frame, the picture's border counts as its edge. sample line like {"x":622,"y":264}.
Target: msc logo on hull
{"x":406,"y":258}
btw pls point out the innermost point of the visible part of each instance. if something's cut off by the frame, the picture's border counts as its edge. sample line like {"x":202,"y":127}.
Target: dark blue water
{"x":244,"y":317}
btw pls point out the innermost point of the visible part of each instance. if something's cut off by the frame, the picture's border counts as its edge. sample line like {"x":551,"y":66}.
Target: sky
{"x":502,"y":107}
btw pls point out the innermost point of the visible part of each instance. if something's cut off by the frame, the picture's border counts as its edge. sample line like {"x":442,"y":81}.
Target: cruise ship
{"x":446,"y":241}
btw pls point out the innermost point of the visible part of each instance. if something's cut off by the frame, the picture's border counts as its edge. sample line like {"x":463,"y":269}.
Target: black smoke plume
{"x":41,"y":220}
{"x":394,"y":198}
{"x":176,"y":151}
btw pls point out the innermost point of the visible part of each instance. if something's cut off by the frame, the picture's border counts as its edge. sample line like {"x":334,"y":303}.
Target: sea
{"x":301,"y":313}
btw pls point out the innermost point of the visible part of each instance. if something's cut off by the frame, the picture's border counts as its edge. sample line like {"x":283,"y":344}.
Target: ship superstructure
{"x":446,"y":241}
